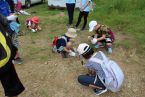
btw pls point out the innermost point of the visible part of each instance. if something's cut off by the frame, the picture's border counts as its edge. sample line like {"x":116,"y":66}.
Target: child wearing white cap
{"x":103,"y":75}
{"x":103,"y":35}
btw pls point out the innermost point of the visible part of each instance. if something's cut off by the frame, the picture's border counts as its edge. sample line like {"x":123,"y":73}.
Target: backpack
{"x":110,"y":32}
{"x":114,"y":76}
{"x":55,"y":40}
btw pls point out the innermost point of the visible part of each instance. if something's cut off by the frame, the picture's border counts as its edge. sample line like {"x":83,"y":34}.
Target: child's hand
{"x":89,"y":37}
{"x":94,"y":41}
{"x":33,"y":30}
{"x":39,"y":28}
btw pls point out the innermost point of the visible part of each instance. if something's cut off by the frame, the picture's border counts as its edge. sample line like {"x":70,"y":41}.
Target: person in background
{"x":17,"y":4}
{"x":15,"y":30}
{"x":70,"y":5}
{"x":33,"y":24}
{"x":8,"y":76}
{"x":11,"y":5}
{"x":64,"y":43}
{"x":103,"y":35}
{"x":85,"y":8}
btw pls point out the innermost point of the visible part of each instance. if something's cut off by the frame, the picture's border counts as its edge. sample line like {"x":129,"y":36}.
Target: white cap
{"x":83,"y":48}
{"x":94,"y":41}
{"x":92,"y":24}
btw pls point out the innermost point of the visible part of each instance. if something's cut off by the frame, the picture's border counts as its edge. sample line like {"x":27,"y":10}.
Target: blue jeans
{"x":70,"y":9}
{"x":87,"y":80}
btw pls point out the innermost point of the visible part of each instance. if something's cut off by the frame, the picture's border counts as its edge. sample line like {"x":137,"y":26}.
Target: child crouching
{"x":33,"y":24}
{"x":64,"y":44}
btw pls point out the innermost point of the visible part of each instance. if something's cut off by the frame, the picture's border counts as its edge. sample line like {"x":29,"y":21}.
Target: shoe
{"x":18,"y":61}
{"x":100,"y":91}
{"x":110,"y":50}
{"x":97,"y":46}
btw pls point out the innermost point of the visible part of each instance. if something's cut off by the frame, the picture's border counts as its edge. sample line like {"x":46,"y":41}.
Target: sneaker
{"x":97,"y":46}
{"x":100,"y":91}
{"x":18,"y":61}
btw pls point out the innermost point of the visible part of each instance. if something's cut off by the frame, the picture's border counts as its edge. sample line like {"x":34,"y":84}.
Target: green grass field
{"x":45,"y":74}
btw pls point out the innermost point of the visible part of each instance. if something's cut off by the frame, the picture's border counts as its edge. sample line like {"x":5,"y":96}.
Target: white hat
{"x":83,"y":48}
{"x":92,"y":24}
{"x":71,"y":33}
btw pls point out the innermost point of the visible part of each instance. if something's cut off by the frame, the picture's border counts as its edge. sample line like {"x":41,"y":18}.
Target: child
{"x":15,"y":28}
{"x":64,"y":44}
{"x":85,"y":8}
{"x":33,"y":24}
{"x":103,"y":74}
{"x":103,"y":35}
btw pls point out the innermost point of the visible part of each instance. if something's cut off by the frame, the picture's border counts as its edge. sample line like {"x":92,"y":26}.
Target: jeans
{"x":85,"y":15}
{"x":87,"y":80}
{"x":70,"y":9}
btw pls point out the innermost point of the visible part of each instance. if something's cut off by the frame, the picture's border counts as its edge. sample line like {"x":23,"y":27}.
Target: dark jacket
{"x":4,"y":8}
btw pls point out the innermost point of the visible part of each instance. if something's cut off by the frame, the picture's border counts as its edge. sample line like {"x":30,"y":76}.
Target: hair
{"x":88,"y":54}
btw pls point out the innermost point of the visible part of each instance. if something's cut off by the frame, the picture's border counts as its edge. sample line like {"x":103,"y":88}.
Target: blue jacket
{"x":4,"y":8}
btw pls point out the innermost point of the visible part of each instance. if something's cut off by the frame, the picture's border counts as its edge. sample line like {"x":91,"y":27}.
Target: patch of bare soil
{"x":45,"y":74}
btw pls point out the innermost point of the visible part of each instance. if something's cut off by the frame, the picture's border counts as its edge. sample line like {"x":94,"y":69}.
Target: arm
{"x":66,"y":50}
{"x":94,"y":86}
{"x":91,"y":72}
{"x":88,"y":3}
{"x":101,"y":38}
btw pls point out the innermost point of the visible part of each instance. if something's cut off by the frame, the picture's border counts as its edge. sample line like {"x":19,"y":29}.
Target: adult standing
{"x":70,"y":5}
{"x":85,"y":8}
{"x":8,"y":76}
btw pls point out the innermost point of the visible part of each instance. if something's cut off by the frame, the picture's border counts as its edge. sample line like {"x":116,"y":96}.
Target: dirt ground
{"x":45,"y":74}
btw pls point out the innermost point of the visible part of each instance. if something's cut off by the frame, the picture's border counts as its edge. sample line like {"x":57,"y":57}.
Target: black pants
{"x":85,"y":15}
{"x":10,"y":81}
{"x":70,"y":9}
{"x":87,"y":80}
{"x":11,"y":4}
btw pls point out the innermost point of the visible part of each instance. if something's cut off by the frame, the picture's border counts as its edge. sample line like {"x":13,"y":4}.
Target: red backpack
{"x":55,"y":40}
